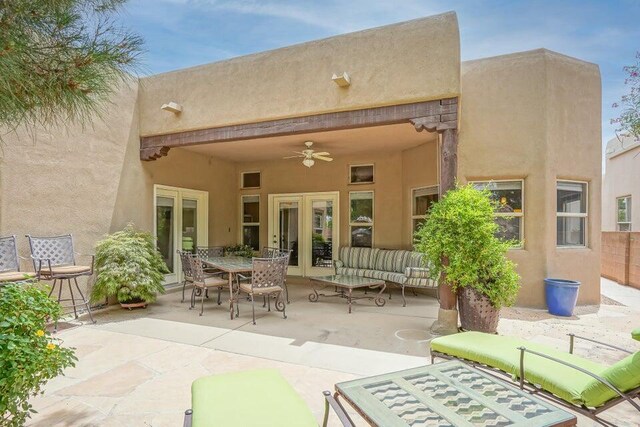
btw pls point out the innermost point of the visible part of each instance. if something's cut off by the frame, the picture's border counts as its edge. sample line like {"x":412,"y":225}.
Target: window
{"x":510,"y":211}
{"x":250,"y":180}
{"x":572,"y":213}
{"x":251,"y":221}
{"x":361,"y":218}
{"x":361,"y":174}
{"x":421,"y":201}
{"x":624,"y":213}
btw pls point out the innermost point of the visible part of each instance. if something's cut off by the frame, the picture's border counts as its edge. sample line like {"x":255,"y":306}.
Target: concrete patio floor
{"x":135,"y":367}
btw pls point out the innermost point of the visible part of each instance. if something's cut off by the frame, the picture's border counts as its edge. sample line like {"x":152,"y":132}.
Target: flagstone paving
{"x":135,"y":368}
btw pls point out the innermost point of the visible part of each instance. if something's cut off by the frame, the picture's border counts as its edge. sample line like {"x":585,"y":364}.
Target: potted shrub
{"x":458,"y":239}
{"x":29,"y":355}
{"x":129,"y":267}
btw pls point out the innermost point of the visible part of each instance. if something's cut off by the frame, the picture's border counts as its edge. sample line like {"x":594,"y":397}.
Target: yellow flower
{"x":51,"y":346}
{"x":40,"y":333}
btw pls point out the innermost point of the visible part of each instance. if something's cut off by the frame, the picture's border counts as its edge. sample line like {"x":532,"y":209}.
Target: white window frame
{"x":249,"y":224}
{"x":574,"y":215}
{"x":242,"y":174}
{"x":373,"y":174}
{"x":363,"y":224}
{"x":435,"y":187}
{"x":511,"y":214}
{"x":629,"y":210}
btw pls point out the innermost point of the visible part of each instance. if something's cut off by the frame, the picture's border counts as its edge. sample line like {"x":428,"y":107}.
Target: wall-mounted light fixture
{"x":342,"y":80}
{"x":172,"y":107}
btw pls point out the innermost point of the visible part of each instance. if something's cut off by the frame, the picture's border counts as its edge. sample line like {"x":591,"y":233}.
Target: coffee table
{"x":448,"y":394}
{"x":346,"y":284}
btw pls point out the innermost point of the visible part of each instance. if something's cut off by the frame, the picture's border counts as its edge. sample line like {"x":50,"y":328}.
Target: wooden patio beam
{"x":424,"y":113}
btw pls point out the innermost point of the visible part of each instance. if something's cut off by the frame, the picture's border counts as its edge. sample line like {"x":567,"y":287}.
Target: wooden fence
{"x":621,"y":257}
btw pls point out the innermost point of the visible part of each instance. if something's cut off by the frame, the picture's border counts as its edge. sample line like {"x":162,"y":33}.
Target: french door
{"x":180,"y":223}
{"x":307,"y":224}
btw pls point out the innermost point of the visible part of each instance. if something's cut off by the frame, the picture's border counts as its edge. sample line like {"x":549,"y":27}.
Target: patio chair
{"x":268,"y":252}
{"x":259,"y":397}
{"x":54,"y":259}
{"x":210,"y":252}
{"x":10,"y":263}
{"x":267,"y":278}
{"x":569,"y":380}
{"x":203,"y":281}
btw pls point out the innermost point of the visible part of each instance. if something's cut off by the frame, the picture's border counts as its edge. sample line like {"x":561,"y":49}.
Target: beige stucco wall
{"x":536,"y":116}
{"x":390,"y":187}
{"x":400,"y":63}
{"x":621,"y":178}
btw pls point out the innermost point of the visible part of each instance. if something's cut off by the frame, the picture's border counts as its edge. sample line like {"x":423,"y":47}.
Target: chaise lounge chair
{"x":260,"y":397}
{"x":572,"y":381}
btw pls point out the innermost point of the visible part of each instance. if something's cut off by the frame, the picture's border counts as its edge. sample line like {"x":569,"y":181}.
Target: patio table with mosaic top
{"x":345,"y":285}
{"x":447,"y":394}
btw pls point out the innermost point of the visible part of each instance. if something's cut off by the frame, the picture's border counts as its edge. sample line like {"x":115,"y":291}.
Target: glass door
{"x":181,"y":223}
{"x":320,"y":230}
{"x":167,"y":231}
{"x":286,"y":227}
{"x":306,"y":224}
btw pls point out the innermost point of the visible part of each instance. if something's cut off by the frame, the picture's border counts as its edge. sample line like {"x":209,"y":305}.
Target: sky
{"x":183,"y":33}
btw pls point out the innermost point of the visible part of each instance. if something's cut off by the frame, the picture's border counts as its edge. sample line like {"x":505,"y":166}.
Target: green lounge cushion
{"x":502,"y":353}
{"x":635,"y":334}
{"x":624,"y":375}
{"x":260,"y":397}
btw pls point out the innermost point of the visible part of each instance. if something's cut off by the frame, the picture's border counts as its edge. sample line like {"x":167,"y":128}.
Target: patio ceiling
{"x":339,"y":143}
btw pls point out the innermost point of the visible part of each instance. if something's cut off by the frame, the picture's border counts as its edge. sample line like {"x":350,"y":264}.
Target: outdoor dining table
{"x":231,"y":265}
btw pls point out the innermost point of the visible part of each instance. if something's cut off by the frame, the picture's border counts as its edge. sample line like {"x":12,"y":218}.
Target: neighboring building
{"x":528,"y":123}
{"x":621,"y":185}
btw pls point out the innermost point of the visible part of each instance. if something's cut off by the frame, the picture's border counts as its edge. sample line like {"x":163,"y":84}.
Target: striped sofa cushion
{"x":416,"y":259}
{"x":358,"y":257}
{"x":392,"y":260}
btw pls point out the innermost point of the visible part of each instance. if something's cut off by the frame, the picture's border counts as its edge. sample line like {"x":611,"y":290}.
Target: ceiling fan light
{"x":308,"y":162}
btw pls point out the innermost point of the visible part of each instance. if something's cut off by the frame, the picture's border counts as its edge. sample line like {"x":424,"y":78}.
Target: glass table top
{"x":230,"y":263}
{"x":346,"y":281}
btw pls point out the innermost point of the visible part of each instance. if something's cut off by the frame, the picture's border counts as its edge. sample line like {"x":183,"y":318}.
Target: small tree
{"x":60,"y":60}
{"x":29,"y":356}
{"x":629,"y":119}
{"x":128,"y":266}
{"x":458,"y":238}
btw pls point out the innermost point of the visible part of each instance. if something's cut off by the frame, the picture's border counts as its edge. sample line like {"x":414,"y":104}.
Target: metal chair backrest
{"x":268,"y":252}
{"x":210,"y":251}
{"x":268,"y":272}
{"x":185,"y":261}
{"x":197,"y":269}
{"x":9,"y":260}
{"x":58,"y":250}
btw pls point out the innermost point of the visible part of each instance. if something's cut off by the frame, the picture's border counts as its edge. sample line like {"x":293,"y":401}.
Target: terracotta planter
{"x":132,"y":305}
{"x":476,"y":311}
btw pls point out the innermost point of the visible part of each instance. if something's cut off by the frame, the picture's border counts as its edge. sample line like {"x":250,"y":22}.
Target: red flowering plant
{"x":629,"y":120}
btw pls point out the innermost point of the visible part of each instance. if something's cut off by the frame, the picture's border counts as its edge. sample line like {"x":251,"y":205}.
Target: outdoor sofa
{"x":259,"y":397}
{"x":406,"y":269}
{"x":580,"y":384}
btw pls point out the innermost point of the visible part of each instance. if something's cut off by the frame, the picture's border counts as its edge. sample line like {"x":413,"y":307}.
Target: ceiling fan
{"x":309,"y":155}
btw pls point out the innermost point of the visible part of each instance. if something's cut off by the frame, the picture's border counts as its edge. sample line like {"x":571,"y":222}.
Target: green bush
{"x":244,"y":251}
{"x":129,"y":266}
{"x":29,"y":356}
{"x":458,"y":239}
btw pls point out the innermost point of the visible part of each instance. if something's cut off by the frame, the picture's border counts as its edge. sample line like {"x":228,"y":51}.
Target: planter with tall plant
{"x":129,"y":267}
{"x":459,"y":240}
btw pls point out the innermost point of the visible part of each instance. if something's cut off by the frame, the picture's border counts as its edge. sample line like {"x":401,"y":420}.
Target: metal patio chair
{"x":210,"y":252}
{"x":10,"y":263}
{"x":269,"y":252}
{"x":203,"y":281}
{"x":187,"y":275}
{"x":267,"y":278}
{"x":54,"y":259}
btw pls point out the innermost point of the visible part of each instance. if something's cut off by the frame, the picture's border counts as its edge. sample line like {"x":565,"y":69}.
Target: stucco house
{"x":621,"y":185}
{"x":197,"y":155}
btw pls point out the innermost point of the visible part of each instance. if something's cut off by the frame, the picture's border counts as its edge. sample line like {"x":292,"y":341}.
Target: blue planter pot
{"x":561,"y":296}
